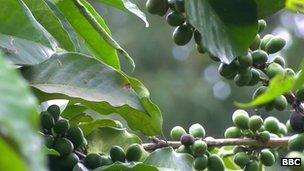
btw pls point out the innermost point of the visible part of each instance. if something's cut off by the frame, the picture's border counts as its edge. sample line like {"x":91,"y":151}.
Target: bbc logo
{"x":290,"y":161}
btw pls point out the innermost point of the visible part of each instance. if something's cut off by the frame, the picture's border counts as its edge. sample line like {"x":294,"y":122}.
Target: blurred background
{"x":185,"y":84}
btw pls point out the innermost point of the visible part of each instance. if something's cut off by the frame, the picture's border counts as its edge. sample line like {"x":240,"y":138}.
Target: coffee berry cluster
{"x":69,"y":142}
{"x":192,"y":144}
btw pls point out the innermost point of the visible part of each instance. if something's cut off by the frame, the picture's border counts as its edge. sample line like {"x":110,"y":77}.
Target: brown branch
{"x":273,"y":142}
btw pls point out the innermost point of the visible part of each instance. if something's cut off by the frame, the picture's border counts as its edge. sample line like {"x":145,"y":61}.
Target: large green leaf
{"x":278,"y":85}
{"x":89,"y":127}
{"x":100,"y":48}
{"x":45,"y":16}
{"x":295,"y":5}
{"x":269,"y":7}
{"x":168,"y":160}
{"x":85,"y":80}
{"x":22,"y":35}
{"x":19,"y":118}
{"x":126,"y":5}
{"x":102,"y":139}
{"x":227,"y":27}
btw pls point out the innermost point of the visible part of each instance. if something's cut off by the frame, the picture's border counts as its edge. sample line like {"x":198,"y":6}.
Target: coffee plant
{"x":60,"y":74}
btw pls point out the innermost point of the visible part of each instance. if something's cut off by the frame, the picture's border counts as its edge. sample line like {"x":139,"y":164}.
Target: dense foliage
{"x":63,"y":50}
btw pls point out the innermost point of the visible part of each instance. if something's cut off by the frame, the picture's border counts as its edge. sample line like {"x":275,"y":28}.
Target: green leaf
{"x":102,"y":139}
{"x":23,"y":52}
{"x":269,"y":7}
{"x":99,"y":47}
{"x":85,"y":80}
{"x":45,"y":16}
{"x":23,"y":35}
{"x":299,"y":79}
{"x":126,"y":5}
{"x":278,"y":85}
{"x":19,"y":117}
{"x":227,"y":27}
{"x":10,"y":160}
{"x":295,"y":5}
{"x":89,"y":127}
{"x":167,"y":159}
{"x":127,"y":167}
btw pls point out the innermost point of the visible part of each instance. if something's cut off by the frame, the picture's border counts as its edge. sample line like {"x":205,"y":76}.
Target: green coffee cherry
{"x":175,"y":18}
{"x":47,"y":121}
{"x":259,"y":91}
{"x":288,"y":126}
{"x":241,"y":159}
{"x":280,"y":60}
{"x":197,"y":130}
{"x":255,"y":123}
{"x":49,"y":141}
{"x":259,"y":57}
{"x":272,"y":124}
{"x":200,"y":163}
{"x":117,"y":154}
{"x":280,"y":103}
{"x":182,"y":34}
{"x":289,"y":72}
{"x":240,"y":119}
{"x":265,"y":40}
{"x":75,"y":135}
{"x":274,"y":45}
{"x":264,"y":136}
{"x":274,"y":69}
{"x":63,"y":146}
{"x":199,"y":148}
{"x":238,"y":149}
{"x":215,"y":163}
{"x":256,"y":42}
{"x":283,"y":129}
{"x":187,"y":140}
{"x":177,"y":132}
{"x":228,"y":71}
{"x":255,"y":77}
{"x":300,"y":94}
{"x":267,"y":158}
{"x":245,"y":60}
{"x":295,"y":154}
{"x":262,"y":25}
{"x":184,"y":149}
{"x":262,"y":129}
{"x":61,"y":126}
{"x":92,"y":161}
{"x":296,"y":143}
{"x":54,"y":110}
{"x":159,"y":7}
{"x":134,"y":152}
{"x":252,"y":166}
{"x":69,"y":162}
{"x":179,"y":5}
{"x":233,"y":132}
{"x":243,"y":79}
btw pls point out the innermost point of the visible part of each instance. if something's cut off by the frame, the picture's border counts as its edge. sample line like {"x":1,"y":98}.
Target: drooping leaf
{"x":299,"y":79}
{"x":127,"y":167}
{"x":85,"y":80}
{"x":279,"y":85}
{"x":295,"y":5}
{"x":22,"y":35}
{"x":102,"y":139}
{"x":227,"y":27}
{"x":100,"y":48}
{"x":19,"y":117}
{"x":269,"y":7}
{"x":167,"y":159}
{"x":126,"y":5}
{"x":46,"y":17}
